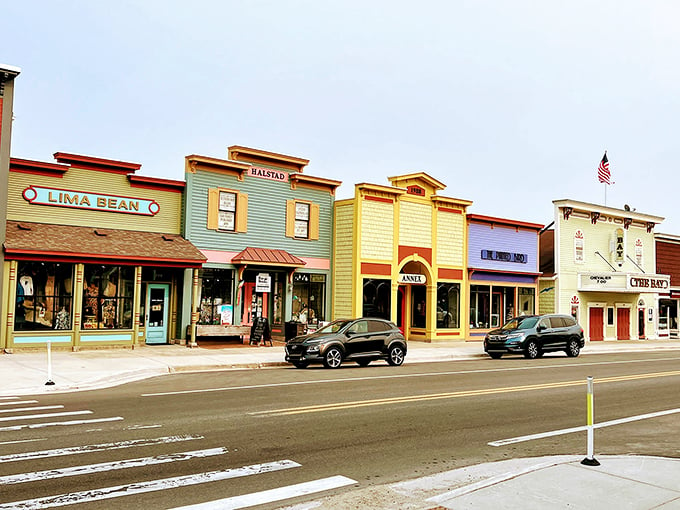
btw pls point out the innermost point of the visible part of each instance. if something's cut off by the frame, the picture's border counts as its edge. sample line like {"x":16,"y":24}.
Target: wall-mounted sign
{"x":268,"y":173}
{"x":505,"y":256}
{"x":415,"y":190}
{"x":624,"y":282}
{"x":91,"y":201}
{"x":263,"y":282}
{"x":412,"y":278}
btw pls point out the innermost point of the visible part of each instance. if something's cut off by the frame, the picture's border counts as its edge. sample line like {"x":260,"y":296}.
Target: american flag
{"x":603,"y":173}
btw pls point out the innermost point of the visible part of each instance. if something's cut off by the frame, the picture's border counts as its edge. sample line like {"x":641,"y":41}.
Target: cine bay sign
{"x":624,"y":282}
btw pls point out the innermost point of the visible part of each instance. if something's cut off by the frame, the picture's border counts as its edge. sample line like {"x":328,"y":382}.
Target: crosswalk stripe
{"x":75,"y":450}
{"x":110,"y":466}
{"x":14,"y":402}
{"x":24,"y":409}
{"x":44,"y":415}
{"x":150,"y":486}
{"x":58,"y":423}
{"x":272,"y":495}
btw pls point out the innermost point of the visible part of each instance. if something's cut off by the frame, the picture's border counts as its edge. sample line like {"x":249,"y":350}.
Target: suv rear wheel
{"x":332,"y":358}
{"x":573,"y":348}
{"x":532,"y":350}
{"x":396,"y":355}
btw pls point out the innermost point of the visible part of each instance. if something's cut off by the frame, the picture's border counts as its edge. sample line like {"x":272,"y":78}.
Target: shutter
{"x":213,"y":211}
{"x":290,"y":218}
{"x":314,"y":221}
{"x":242,"y":212}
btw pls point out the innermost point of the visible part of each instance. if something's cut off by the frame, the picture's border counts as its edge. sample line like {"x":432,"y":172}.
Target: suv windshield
{"x":333,"y":327}
{"x":520,"y":323}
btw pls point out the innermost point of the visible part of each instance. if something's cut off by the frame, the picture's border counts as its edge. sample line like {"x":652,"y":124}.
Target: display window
{"x":309,"y":298}
{"x":44,"y":296}
{"x":377,"y":298}
{"x":216,"y":305}
{"x":492,"y":306}
{"x":448,"y":305}
{"x":108,"y":293}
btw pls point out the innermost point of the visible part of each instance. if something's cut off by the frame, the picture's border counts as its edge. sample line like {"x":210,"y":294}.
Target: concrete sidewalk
{"x":559,"y":482}
{"x":92,"y":369}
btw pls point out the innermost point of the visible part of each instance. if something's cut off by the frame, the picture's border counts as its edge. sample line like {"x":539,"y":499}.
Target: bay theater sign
{"x":624,"y":282}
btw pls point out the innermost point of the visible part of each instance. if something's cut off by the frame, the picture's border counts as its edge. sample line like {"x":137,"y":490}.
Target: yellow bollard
{"x":590,"y":459}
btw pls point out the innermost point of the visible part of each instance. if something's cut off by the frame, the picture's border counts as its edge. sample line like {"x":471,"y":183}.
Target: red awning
{"x":268,"y":257}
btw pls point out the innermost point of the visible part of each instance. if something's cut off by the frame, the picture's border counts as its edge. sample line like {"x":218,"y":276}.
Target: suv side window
{"x":377,"y":326}
{"x":545,"y":322}
{"x":359,"y":327}
{"x":569,"y":321}
{"x":557,"y":322}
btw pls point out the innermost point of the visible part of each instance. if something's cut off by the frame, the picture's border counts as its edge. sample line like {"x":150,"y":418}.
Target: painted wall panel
{"x":377,"y":230}
{"x":266,"y":215}
{"x":168,"y":218}
{"x":450,"y":239}
{"x":415,"y":224}
{"x":502,"y":239}
{"x":344,"y":233}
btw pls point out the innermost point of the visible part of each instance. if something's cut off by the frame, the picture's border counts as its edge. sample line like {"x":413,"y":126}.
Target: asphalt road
{"x":184,"y":439}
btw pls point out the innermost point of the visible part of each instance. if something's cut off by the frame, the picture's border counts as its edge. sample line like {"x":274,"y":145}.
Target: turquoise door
{"x":157,"y":313}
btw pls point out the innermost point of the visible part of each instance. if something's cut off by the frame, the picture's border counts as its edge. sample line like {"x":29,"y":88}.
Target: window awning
{"x":68,"y":243}
{"x":267,"y":257}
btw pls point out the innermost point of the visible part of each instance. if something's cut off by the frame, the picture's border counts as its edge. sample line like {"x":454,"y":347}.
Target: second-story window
{"x":227,"y":211}
{"x":301,"y":220}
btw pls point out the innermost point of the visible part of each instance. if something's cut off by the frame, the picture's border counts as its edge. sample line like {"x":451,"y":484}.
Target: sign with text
{"x":505,"y":256}
{"x":268,"y":173}
{"x":263,"y":282}
{"x":412,"y":278}
{"x":624,"y":282}
{"x":92,"y":201}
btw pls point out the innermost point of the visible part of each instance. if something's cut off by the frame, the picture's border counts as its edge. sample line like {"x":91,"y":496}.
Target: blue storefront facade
{"x":503,"y":271}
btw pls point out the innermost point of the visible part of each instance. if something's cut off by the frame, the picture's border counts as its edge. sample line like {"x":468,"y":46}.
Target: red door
{"x":623,"y":324}
{"x":596,"y":323}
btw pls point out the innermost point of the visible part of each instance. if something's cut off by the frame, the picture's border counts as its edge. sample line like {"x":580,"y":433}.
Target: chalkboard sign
{"x":260,"y":331}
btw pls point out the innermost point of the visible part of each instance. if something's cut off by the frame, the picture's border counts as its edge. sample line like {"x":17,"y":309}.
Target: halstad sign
{"x":268,"y":173}
{"x":92,"y":201}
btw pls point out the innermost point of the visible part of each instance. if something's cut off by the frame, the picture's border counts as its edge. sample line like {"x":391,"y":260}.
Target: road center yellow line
{"x":455,"y":394}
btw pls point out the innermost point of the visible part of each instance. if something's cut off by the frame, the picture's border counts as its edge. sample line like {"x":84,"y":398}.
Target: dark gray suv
{"x":532,"y":335}
{"x":361,"y":340}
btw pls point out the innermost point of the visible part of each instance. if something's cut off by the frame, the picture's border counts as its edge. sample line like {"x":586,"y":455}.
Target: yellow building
{"x":400,"y":254}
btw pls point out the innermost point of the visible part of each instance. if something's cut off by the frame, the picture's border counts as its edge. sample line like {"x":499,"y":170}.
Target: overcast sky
{"x":511,"y":104}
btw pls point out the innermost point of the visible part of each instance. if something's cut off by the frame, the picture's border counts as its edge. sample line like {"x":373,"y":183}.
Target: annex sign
{"x":91,"y":201}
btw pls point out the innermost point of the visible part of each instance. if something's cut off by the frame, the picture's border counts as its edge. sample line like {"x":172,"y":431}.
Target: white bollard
{"x":590,"y":459}
{"x":49,"y":382}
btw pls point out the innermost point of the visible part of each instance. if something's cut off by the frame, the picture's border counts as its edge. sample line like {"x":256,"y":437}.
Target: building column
{"x":78,"y":304}
{"x":195,"y":311}
{"x":9,"y":291}
{"x":136,"y":306}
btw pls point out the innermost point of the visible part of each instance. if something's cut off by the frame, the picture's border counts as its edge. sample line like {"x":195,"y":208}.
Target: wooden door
{"x":623,"y":324}
{"x":596,"y":324}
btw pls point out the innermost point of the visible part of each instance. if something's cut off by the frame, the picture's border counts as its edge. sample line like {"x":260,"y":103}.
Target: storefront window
{"x":418,"y":306}
{"x":526,"y":298}
{"x":216,"y":296}
{"x":309,"y":297}
{"x":107,"y":297}
{"x":480,"y":306}
{"x":448,"y":305}
{"x":44,"y":297}
{"x":377,"y":298}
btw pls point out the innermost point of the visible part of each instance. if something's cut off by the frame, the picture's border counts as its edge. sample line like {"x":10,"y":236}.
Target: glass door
{"x":157,"y":313}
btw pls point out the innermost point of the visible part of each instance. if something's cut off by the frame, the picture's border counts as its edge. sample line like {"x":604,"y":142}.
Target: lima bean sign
{"x":92,"y":201}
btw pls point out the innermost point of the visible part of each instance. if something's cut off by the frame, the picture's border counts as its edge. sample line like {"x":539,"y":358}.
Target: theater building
{"x":600,"y":266}
{"x":502,"y":271}
{"x":265,"y":227}
{"x":93,"y":255}
{"x":400,"y":254}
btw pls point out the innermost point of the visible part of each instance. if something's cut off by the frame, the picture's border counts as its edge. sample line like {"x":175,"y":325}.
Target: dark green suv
{"x":532,"y":335}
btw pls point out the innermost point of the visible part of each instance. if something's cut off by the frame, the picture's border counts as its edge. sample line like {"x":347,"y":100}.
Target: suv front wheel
{"x":332,"y":358}
{"x":532,"y":350}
